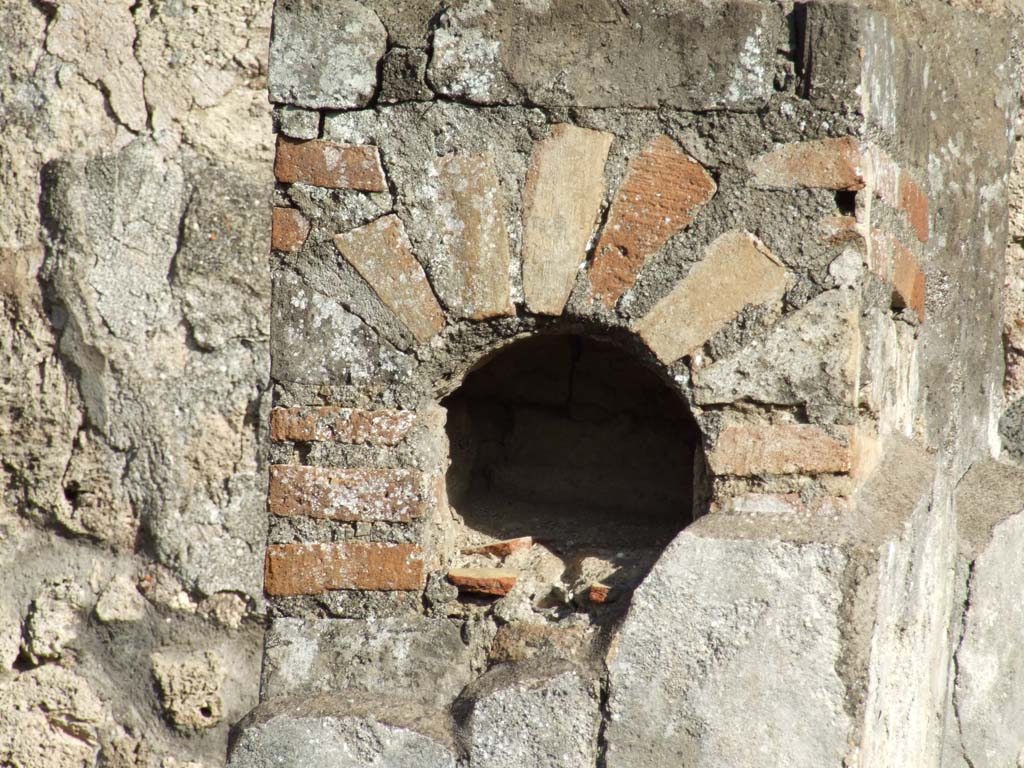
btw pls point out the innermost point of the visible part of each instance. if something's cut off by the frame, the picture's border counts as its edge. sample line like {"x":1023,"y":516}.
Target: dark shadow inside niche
{"x":574,"y":442}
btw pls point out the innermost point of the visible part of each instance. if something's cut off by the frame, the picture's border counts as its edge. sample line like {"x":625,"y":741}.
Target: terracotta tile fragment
{"x":561,"y":201}
{"x":288,"y":230}
{"x":372,"y":494}
{"x":600,"y":594}
{"x":328,"y":164}
{"x":781,"y":449}
{"x":353,"y":426}
{"x":501,"y":548}
{"x":474,"y":231}
{"x":309,"y":569}
{"x":737,"y":270}
{"x":382,"y":254}
{"x":821,"y":164}
{"x":483,"y":581}
{"x":662,"y":193}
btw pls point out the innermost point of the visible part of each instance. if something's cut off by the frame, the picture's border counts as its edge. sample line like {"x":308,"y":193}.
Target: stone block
{"x":309,"y":569}
{"x":561,"y":201}
{"x":297,"y":123}
{"x":289,"y":230}
{"x":190,"y":687}
{"x":382,"y":254}
{"x":737,"y":270}
{"x":830,"y":53}
{"x":341,"y":732}
{"x":329,"y":164}
{"x":662,"y":193}
{"x":352,"y":426}
{"x":989,"y":670}
{"x":543,"y":716}
{"x":730,"y":655}
{"x":329,"y":493}
{"x":408,"y":657}
{"x":473,"y":278}
{"x":324,"y":55}
{"x":809,"y":358}
{"x":782,"y":449}
{"x":600,"y":53}
{"x":819,"y":164}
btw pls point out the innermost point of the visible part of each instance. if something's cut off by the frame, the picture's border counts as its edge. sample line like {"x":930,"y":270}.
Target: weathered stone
{"x":289,"y":230}
{"x":409,"y":657}
{"x":325,"y":55}
{"x":404,"y":76}
{"x":53,"y":621}
{"x":737,"y":270}
{"x":662,"y":193}
{"x":606,"y":54}
{"x":382,"y":254}
{"x":819,"y":164}
{"x":831,"y":54}
{"x":781,"y":449}
{"x":519,"y":641}
{"x":729,"y":656}
{"x":329,"y":164}
{"x":564,"y":189}
{"x":308,"y":569}
{"x":336,"y":732}
{"x":369,"y":495}
{"x":344,"y":425}
{"x":298,"y":123}
{"x":483,"y":581}
{"x":544,"y":715}
{"x":810,"y":358}
{"x":120,"y":601}
{"x":190,"y":684}
{"x":989,"y":672}
{"x":473,"y":281}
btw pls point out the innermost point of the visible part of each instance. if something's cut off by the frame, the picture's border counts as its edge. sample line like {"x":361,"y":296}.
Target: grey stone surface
{"x":543,"y":715}
{"x":410,"y":657}
{"x":337,"y":733}
{"x":297,"y":123}
{"x":606,"y":54}
{"x":988,"y":695}
{"x":729,"y":656}
{"x":324,"y":55}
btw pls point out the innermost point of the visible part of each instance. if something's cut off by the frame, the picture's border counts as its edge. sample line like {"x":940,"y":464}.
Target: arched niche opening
{"x":576,"y":443}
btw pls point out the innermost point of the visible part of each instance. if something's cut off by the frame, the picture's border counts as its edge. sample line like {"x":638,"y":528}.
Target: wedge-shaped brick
{"x":561,"y":201}
{"x":309,"y":569}
{"x":382,"y":254}
{"x":474,"y":281}
{"x":663,"y":191}
{"x":390,"y":495}
{"x":327,"y":164}
{"x":782,"y":449}
{"x":737,"y":270}
{"x":341,"y":425}
{"x":822,"y":164}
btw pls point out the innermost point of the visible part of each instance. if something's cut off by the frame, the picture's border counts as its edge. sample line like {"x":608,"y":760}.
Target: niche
{"x":573,"y":442}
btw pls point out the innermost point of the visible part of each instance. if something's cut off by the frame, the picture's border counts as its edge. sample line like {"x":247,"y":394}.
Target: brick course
{"x":781,"y":449}
{"x":822,"y":164}
{"x":328,"y":164}
{"x":391,"y":495}
{"x":343,"y":425}
{"x":309,"y":569}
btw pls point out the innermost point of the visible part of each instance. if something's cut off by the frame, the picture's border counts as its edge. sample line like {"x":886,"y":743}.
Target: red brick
{"x":781,"y":449}
{"x":391,"y":495}
{"x":327,"y":164}
{"x":483,"y":581}
{"x":663,"y":191}
{"x":914,"y":203}
{"x":600,"y":593}
{"x":501,"y":548}
{"x":341,"y":425}
{"x":289,"y":230}
{"x":896,"y":264}
{"x":309,"y":569}
{"x":823,"y":164}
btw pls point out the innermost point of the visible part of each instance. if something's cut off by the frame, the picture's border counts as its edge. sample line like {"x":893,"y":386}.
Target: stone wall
{"x":137,"y":163}
{"x":135,"y":154}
